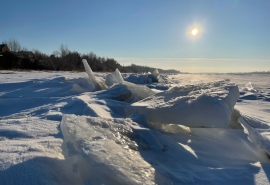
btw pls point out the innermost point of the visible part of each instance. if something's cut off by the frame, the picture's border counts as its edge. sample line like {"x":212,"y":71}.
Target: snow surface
{"x":56,"y":128}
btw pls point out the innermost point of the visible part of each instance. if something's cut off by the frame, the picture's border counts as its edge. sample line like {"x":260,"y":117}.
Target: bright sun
{"x":194,"y":31}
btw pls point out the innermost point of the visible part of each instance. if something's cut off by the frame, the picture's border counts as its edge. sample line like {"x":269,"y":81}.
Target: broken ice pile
{"x":123,"y":91}
{"x":200,"y":105}
{"x":145,"y":78}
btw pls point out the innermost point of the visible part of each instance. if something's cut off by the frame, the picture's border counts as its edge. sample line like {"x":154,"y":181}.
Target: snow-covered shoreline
{"x":56,"y":129}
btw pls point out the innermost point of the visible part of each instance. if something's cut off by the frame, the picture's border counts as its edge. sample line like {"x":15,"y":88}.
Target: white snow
{"x":69,"y":128}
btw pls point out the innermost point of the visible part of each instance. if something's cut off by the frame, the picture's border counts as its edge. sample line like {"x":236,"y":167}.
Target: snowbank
{"x":201,"y":105}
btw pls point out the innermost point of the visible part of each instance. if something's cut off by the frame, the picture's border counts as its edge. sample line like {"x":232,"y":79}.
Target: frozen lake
{"x":55,"y":128}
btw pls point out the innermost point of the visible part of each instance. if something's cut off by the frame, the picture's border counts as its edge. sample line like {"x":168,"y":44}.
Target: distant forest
{"x":14,"y":56}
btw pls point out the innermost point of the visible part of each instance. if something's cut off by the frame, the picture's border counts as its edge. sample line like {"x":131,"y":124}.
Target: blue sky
{"x":234,"y":35}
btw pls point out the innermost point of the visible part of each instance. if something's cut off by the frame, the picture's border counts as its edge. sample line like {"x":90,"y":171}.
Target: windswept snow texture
{"x":201,"y":105}
{"x":63,"y":128}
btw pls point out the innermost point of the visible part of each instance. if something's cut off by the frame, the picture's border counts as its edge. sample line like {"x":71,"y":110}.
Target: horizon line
{"x":192,"y":59}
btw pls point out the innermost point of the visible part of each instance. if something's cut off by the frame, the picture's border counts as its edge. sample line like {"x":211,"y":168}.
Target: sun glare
{"x":194,"y":31}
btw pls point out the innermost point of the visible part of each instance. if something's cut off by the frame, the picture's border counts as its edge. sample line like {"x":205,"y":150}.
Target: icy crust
{"x":200,"y":105}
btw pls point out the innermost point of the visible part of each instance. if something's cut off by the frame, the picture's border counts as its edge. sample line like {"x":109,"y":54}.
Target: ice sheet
{"x":32,"y":105}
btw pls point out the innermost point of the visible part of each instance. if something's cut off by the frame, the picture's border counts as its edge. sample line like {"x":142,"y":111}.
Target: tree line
{"x":63,"y":59}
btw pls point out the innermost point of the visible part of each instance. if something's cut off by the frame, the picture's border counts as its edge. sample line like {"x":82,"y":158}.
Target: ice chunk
{"x":227,"y":145}
{"x":82,"y":85}
{"x":234,"y":124}
{"x":254,"y":135}
{"x":138,"y":78}
{"x":98,"y":83}
{"x":155,"y":73}
{"x":113,"y":78}
{"x":127,"y":92}
{"x":249,"y":88}
{"x":200,"y":105}
{"x":145,"y":78}
{"x":103,"y":150}
{"x":139,"y":92}
{"x":154,"y":76}
{"x":172,"y":128}
{"x":101,"y":83}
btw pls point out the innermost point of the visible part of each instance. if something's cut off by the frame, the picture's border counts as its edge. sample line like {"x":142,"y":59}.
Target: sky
{"x":233,"y":35}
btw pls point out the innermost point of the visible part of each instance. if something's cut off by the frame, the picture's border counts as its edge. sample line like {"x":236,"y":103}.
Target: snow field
{"x":55,"y":128}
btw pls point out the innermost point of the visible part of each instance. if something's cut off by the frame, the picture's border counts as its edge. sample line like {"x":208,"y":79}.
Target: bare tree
{"x":56,"y":53}
{"x":64,"y":51}
{"x":13,"y":45}
{"x":24,"y":48}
